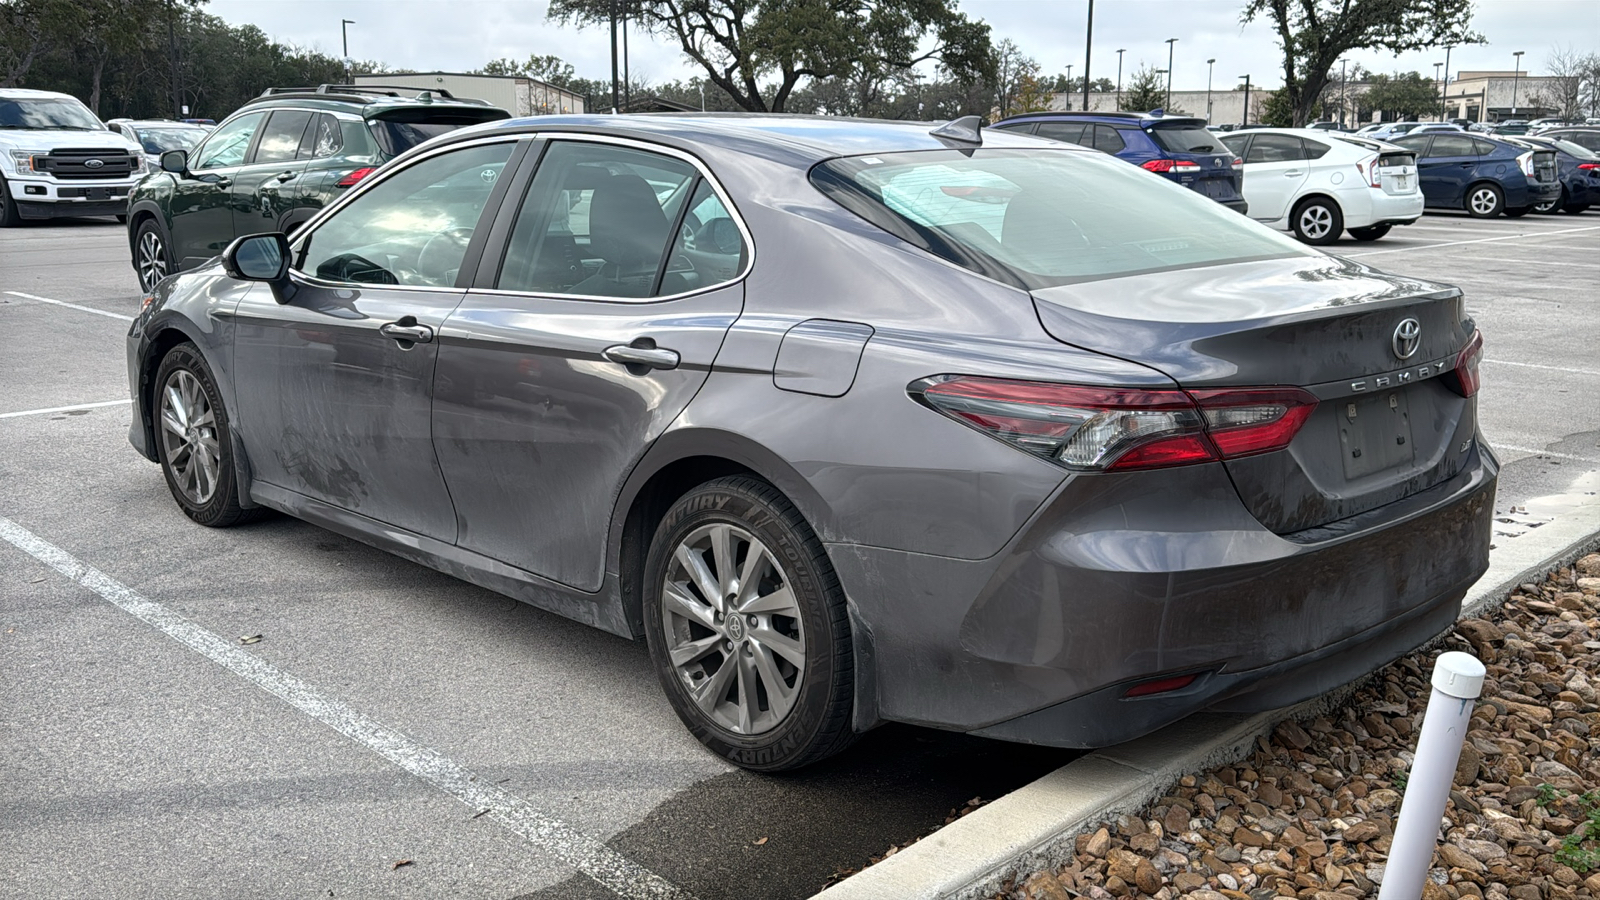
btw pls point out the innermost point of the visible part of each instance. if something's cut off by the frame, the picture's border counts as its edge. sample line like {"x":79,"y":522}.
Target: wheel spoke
{"x":781,"y":644}
{"x":204,"y":418}
{"x":176,"y":404}
{"x":690,"y":651}
{"x":695,"y":565}
{"x":709,"y":693}
{"x":679,"y":601}
{"x":779,"y":695}
{"x":755,"y":563}
{"x":169,"y":421}
{"x":722,"y":558}
{"x":779,"y":601}
{"x":747,"y":693}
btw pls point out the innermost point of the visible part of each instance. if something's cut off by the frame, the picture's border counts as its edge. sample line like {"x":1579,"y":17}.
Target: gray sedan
{"x":851,"y":422}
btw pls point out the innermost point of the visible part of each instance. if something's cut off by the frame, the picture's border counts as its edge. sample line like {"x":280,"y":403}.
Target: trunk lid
{"x":1385,"y":427}
{"x":1188,"y":141}
{"x":1544,"y":167}
{"x":1397,"y":172}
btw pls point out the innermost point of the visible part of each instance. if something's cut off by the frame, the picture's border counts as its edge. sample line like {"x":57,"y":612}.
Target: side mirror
{"x":261,"y":257}
{"x":175,"y":161}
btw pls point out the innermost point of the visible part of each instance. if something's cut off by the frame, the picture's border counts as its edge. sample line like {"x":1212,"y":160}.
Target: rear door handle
{"x":419,"y":334}
{"x":1293,"y":174}
{"x":650,"y":357}
{"x":285,"y":176}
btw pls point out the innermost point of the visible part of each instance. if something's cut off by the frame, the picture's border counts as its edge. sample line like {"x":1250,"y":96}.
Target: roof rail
{"x":388,"y":90}
{"x":1079,"y":112}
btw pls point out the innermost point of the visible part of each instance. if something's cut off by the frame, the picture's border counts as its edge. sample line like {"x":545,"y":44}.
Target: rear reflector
{"x":357,"y":175}
{"x":1160,"y":686}
{"x":1163,"y":166}
{"x":1117,"y":429}
{"x":1464,"y":378}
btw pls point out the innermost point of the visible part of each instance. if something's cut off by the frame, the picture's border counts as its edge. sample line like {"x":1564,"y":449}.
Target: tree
{"x":1570,"y":78}
{"x":759,"y":51}
{"x":1315,"y":33}
{"x":1075,"y":85}
{"x":1401,"y":96}
{"x":1008,"y":65}
{"x":1145,"y":91}
{"x":30,"y":29}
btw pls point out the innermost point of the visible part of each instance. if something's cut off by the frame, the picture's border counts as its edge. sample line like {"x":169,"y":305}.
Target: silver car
{"x":850,"y":422}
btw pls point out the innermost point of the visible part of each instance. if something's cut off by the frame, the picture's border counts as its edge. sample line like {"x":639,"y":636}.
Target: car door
{"x":1453,"y":163}
{"x":263,"y":189}
{"x":202,"y":220}
{"x":1275,"y":169}
{"x":336,"y":386}
{"x":622,"y":272}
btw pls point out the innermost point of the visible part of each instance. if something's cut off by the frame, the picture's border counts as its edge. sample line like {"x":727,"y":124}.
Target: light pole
{"x":1244,"y":118}
{"x":1344,"y":90}
{"x":1069,"y":87}
{"x":1211,"y":64}
{"x":1088,"y":43}
{"x":1436,"y":67}
{"x":1446,"y":91}
{"x":1170,"y":42}
{"x":1514,"y":77}
{"x":1119,"y":78}
{"x":344,"y":33}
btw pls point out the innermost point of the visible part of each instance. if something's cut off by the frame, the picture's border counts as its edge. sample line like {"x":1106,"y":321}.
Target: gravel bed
{"x":1310,"y":814}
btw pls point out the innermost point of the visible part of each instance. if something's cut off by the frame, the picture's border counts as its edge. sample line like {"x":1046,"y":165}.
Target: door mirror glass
{"x":257,"y":257}
{"x":175,"y":161}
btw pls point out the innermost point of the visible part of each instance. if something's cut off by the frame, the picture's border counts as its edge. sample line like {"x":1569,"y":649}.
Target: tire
{"x":10,"y":216}
{"x":1370,"y":233}
{"x":1576,"y":209}
{"x":122,"y":220}
{"x":152,"y":257}
{"x":1318,"y":221}
{"x":1519,"y":212}
{"x":193,"y":440}
{"x":1485,"y":201}
{"x":1549,"y":209}
{"x":799,"y":643}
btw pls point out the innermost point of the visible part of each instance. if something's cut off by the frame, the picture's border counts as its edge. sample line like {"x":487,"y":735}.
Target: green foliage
{"x":1314,"y":34}
{"x":1145,"y":91}
{"x":1548,"y":794}
{"x":1402,"y":96}
{"x":760,"y":51}
{"x":1581,"y":848}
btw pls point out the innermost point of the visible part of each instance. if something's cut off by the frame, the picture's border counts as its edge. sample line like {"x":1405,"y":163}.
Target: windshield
{"x":156,"y":141}
{"x":1185,"y":139}
{"x":1568,"y":147}
{"x":48,"y":114}
{"x":1037,"y":218}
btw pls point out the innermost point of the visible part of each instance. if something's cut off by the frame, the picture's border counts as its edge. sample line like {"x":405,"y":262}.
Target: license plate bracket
{"x":1375,"y":434}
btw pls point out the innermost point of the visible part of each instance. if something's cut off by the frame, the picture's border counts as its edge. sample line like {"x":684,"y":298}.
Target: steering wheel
{"x":451,"y":240}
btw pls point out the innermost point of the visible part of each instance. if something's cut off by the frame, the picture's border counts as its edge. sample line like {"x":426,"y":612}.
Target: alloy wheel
{"x":189,"y":436}
{"x":733,"y":628}
{"x":1316,"y":222}
{"x":1484,"y":201}
{"x":152,"y":259}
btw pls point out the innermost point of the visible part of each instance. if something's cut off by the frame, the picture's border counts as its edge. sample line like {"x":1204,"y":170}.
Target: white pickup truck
{"x":57,"y":159}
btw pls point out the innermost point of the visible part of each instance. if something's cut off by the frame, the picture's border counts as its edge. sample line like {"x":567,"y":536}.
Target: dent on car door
{"x":620,"y":277}
{"x":336,"y":385}
{"x":264,"y":189}
{"x":202,"y":222}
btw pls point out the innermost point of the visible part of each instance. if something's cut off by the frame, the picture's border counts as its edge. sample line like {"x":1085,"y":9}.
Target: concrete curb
{"x":1034,"y":826}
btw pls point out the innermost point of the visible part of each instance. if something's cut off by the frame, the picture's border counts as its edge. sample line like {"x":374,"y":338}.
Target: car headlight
{"x":138,"y":163}
{"x":24,"y":159}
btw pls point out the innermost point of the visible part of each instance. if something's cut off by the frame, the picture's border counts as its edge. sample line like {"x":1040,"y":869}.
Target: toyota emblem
{"x":487,"y":176}
{"x":1407,"y":338}
{"x":93,"y":163}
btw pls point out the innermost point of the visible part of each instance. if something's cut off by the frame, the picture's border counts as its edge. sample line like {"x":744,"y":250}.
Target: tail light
{"x":1160,"y":686}
{"x":1525,"y":162}
{"x":357,"y":175}
{"x":1369,"y":172}
{"x":1163,"y":166}
{"x":1238,"y":163}
{"x":1464,"y":377}
{"x":1589,"y":166}
{"x":1116,"y":429}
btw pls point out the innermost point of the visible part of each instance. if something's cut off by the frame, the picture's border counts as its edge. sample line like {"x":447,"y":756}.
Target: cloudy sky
{"x":456,"y":35}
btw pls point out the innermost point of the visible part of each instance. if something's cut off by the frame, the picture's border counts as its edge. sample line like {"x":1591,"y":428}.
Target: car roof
{"x":1131,"y":118}
{"x":367,"y":97}
{"x":157,"y":123}
{"x":32,"y":94}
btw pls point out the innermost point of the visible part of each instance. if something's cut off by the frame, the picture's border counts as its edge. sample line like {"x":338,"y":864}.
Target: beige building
{"x":1498,"y":96}
{"x":519,"y":95}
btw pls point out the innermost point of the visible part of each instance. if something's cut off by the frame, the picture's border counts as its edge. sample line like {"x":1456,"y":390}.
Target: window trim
{"x":510,"y":210}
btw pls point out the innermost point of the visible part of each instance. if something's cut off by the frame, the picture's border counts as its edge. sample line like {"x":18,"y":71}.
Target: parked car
{"x":1061,"y":476}
{"x":1540,"y":125}
{"x":1513,"y":127}
{"x":1464,"y":124}
{"x":1178,"y":148}
{"x":1482,"y":175}
{"x":1587,"y":137}
{"x":1481,"y":127}
{"x":1318,"y":184}
{"x":57,"y":159}
{"x":1386,"y":131}
{"x":1432,"y":127}
{"x":157,"y":136}
{"x":1326,"y":126}
{"x":1579,"y":169}
{"x":275,"y":162}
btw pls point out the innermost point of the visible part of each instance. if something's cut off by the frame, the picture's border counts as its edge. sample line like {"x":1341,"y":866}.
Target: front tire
{"x":1317,"y":221}
{"x":1485,"y":201}
{"x":152,"y":259}
{"x":10,"y":216}
{"x":194,"y":442}
{"x":1370,"y":233}
{"x":747,"y":627}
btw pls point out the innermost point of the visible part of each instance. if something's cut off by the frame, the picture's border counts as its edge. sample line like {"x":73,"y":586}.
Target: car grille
{"x":70,"y":164}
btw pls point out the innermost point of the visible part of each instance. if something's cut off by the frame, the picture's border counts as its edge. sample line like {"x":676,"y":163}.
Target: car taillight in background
{"x":1525,"y":162}
{"x":1163,"y":166}
{"x":1116,"y":429}
{"x":1591,"y":167}
{"x":1464,"y":378}
{"x":1238,"y":163}
{"x":357,"y":175}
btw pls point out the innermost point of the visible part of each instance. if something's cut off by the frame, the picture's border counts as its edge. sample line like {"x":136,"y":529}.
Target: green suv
{"x":275,"y":163}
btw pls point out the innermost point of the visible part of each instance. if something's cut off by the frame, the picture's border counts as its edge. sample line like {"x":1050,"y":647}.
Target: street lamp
{"x":1119,"y":78}
{"x":1088,"y":43}
{"x":1344,"y":90}
{"x":344,"y":33}
{"x":1210,"y":65}
{"x":1244,"y":118}
{"x":1514,"y":76}
{"x":1436,"y":67}
{"x":1170,"y":42}
{"x":1445,"y":91}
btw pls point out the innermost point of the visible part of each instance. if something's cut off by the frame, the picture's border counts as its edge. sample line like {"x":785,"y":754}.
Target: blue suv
{"x":1482,"y":175}
{"x":1176,"y":147}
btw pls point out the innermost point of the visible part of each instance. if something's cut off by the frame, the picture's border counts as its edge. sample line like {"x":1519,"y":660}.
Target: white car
{"x":57,"y":159}
{"x":1318,"y":185}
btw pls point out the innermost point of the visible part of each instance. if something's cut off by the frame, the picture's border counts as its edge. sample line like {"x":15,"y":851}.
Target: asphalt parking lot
{"x":398,"y":733}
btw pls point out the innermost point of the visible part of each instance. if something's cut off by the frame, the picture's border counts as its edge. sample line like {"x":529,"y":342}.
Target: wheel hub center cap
{"x":735,"y":627}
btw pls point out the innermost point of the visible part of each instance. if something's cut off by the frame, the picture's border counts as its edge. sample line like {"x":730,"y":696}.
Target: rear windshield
{"x":1036,"y":218}
{"x":1583,"y":153}
{"x":1185,"y":139}
{"x":397,"y":133}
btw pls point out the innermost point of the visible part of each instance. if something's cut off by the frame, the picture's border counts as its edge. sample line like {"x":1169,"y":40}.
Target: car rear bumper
{"x":1239,"y":206}
{"x":1386,"y":209}
{"x":1113,"y":585}
{"x":1533,"y":193}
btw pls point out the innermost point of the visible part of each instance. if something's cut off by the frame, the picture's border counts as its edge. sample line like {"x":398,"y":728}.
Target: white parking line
{"x":1514,"y":449}
{"x":87,"y":309}
{"x":55,"y":409}
{"x":1507,"y":362}
{"x":592,"y":857}
{"x":1504,"y":237}
{"x":1540,"y":263}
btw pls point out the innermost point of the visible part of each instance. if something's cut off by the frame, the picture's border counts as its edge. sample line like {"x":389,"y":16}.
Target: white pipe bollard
{"x":1457,"y":682}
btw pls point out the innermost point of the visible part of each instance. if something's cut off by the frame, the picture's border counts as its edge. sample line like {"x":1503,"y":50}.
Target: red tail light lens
{"x":1589,"y":165}
{"x":1115,"y":429}
{"x":1369,"y":172}
{"x":1163,"y":166}
{"x":1465,"y":378}
{"x":1160,"y":686}
{"x":357,"y":175}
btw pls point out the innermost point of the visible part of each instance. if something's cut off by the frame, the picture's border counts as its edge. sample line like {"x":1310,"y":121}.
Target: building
{"x":517,"y":94}
{"x":1498,"y":96}
{"x":1226,"y":106}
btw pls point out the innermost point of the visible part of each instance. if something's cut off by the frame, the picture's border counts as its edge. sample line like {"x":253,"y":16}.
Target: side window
{"x":323,"y":139}
{"x":280,"y":140}
{"x":1270,"y":148}
{"x":1483,"y":148}
{"x":227,"y":145}
{"x":596,"y":222}
{"x":1236,"y":143}
{"x":1453,"y":145}
{"x":1071,"y":132}
{"x":709,"y":249}
{"x":1418,"y":143}
{"x":1314,"y":149}
{"x":1107,"y":140}
{"x":413,"y":227}
{"x":1019,"y":127}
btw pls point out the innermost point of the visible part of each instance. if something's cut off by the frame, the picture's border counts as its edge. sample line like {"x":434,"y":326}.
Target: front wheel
{"x":1370,"y":233}
{"x":747,"y":627}
{"x":193,"y":440}
{"x":1318,"y":221}
{"x":10,"y":216}
{"x":1485,"y":201}
{"x":151,"y":259}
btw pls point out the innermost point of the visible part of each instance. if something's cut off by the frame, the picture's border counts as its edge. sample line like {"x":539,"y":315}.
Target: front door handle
{"x":1293,"y":174}
{"x":417,"y":334}
{"x":285,"y":176}
{"x":650,"y":357}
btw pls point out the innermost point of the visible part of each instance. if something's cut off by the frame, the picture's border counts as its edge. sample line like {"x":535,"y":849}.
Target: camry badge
{"x":93,"y":163}
{"x":1407,"y":338}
